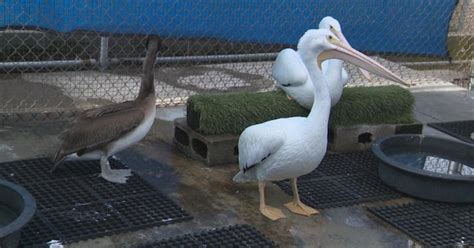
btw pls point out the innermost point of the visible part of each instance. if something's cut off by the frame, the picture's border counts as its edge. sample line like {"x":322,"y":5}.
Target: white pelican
{"x":333,"y":69}
{"x":287,"y":148}
{"x":296,"y":83}
{"x":99,"y":133}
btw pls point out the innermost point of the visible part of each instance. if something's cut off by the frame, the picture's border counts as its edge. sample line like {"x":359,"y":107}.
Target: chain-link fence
{"x":48,"y":74}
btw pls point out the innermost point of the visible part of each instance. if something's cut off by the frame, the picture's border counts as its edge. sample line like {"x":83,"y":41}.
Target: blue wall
{"x":399,"y":26}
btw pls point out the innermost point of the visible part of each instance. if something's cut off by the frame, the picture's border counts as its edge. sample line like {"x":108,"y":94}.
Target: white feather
{"x":286,"y":147}
{"x":336,"y":78}
{"x":288,"y":69}
{"x":345,"y":76}
{"x":291,"y":76}
{"x":289,"y":147}
{"x":135,"y":136}
{"x":302,"y":93}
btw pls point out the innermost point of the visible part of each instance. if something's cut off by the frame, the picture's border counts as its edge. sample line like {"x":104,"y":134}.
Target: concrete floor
{"x":215,"y":201}
{"x":212,"y":198}
{"x":439,"y":105}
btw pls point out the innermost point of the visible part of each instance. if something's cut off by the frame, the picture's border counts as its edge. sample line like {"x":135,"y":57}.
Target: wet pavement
{"x":210,"y":195}
{"x":212,"y":198}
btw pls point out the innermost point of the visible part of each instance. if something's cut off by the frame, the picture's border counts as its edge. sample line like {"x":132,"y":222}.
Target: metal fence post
{"x":104,"y":53}
{"x":471,"y":83}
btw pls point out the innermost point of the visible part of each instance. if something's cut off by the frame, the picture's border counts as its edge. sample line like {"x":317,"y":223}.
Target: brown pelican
{"x":101,"y":132}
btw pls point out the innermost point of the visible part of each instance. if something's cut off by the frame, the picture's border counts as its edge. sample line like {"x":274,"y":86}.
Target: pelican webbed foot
{"x":301,"y":209}
{"x":272,"y":213}
{"x":296,"y":206}
{"x":267,"y":211}
{"x":114,"y":176}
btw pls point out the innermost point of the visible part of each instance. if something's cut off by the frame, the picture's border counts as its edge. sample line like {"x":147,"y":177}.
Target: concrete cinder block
{"x":211,"y":149}
{"x":163,"y":127}
{"x":223,"y":149}
{"x":361,"y":137}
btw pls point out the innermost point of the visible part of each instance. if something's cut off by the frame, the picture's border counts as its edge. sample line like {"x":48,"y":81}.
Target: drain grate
{"x":432,"y":224}
{"x":458,"y":129}
{"x":233,"y":236}
{"x":75,"y":204}
{"x":37,"y":233}
{"x":342,"y":180}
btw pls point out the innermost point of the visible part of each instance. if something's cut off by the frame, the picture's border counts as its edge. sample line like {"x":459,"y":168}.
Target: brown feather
{"x":97,"y":112}
{"x":94,"y":129}
{"x":89,"y":134}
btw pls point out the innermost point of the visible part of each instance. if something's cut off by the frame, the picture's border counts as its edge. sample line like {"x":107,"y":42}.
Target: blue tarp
{"x":396,"y":26}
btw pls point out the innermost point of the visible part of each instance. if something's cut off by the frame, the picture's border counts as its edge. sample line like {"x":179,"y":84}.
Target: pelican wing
{"x":324,"y":66}
{"x":288,"y":69}
{"x":258,"y":143}
{"x":107,"y":109}
{"x":345,"y":76}
{"x":96,"y":128}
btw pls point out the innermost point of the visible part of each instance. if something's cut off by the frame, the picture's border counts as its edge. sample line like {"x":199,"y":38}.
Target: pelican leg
{"x":115,"y":176}
{"x":289,"y":97}
{"x":296,"y":206}
{"x":269,"y":212}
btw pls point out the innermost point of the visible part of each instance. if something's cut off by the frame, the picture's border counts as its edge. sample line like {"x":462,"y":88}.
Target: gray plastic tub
{"x":427,"y":167}
{"x":17,"y":207}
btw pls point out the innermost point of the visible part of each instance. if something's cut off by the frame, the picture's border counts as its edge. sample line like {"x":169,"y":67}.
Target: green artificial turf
{"x":373,"y":105}
{"x":231,"y":113}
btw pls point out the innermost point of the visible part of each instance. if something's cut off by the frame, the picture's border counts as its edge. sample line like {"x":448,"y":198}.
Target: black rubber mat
{"x":233,"y":236}
{"x":432,"y":224}
{"x":75,"y":204}
{"x":458,"y":129}
{"x":342,"y":180}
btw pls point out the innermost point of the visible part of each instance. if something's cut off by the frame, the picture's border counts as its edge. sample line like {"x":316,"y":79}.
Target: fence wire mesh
{"x":49,"y":75}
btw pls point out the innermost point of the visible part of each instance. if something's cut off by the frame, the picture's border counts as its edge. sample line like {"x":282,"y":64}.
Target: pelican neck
{"x":322,"y":101}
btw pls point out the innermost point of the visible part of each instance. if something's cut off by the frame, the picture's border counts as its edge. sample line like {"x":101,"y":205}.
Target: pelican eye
{"x":332,"y":39}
